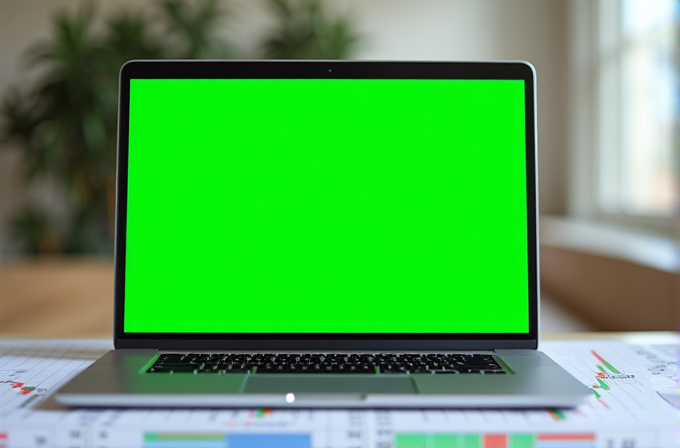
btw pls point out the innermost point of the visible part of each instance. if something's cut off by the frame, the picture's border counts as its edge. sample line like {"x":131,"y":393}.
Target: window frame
{"x":596,"y":116}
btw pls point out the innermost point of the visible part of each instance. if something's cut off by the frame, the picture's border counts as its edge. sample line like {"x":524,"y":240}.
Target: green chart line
{"x":606,"y":364}
{"x":603,"y":385}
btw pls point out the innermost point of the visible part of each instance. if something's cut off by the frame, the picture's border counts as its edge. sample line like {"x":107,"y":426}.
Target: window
{"x":625,"y":109}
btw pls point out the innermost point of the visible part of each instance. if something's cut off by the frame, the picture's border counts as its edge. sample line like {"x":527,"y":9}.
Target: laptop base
{"x":120,"y":379}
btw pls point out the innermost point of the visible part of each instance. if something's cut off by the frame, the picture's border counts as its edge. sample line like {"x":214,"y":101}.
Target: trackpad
{"x":328,"y":385}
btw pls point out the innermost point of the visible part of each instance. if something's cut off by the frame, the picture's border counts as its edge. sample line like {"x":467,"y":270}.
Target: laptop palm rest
{"x":326,"y":384}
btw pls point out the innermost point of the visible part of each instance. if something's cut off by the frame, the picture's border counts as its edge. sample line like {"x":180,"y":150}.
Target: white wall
{"x":533,"y":30}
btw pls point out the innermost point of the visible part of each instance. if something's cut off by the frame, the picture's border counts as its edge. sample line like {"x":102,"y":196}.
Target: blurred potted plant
{"x":61,"y":126}
{"x":193,"y":29}
{"x":305,"y":30}
{"x":65,"y":123}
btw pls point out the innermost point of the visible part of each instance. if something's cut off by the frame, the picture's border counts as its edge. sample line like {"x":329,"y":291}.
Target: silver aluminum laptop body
{"x":121,"y":377}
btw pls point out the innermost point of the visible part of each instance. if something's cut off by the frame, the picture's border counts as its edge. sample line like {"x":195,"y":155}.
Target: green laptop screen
{"x":326,"y":206}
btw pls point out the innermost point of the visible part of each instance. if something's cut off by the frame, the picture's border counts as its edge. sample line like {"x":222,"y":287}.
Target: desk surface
{"x":57,"y":296}
{"x":625,"y":372}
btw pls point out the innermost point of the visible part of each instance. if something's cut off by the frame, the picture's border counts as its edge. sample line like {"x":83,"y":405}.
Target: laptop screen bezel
{"x":159,"y":69}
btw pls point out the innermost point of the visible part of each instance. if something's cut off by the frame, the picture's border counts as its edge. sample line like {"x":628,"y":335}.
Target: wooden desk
{"x":78,"y":291}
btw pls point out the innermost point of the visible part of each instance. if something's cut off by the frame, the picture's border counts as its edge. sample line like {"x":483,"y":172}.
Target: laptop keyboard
{"x":381,"y":363}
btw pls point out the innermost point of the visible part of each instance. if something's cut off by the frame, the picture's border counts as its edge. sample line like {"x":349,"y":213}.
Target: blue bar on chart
{"x":216,"y":440}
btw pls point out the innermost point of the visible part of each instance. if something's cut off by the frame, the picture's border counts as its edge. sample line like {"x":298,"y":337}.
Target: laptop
{"x":326,"y":234}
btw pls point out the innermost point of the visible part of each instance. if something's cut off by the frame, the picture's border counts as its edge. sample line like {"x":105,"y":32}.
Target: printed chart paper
{"x":626,"y":410}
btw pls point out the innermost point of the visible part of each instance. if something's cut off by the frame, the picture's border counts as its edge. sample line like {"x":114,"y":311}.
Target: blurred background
{"x":607,"y":127}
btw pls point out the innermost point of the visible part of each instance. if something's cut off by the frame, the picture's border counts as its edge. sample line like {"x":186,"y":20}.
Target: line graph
{"x":618,"y":376}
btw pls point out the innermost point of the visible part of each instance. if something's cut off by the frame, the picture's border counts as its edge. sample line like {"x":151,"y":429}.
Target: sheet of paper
{"x":625,"y":410}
